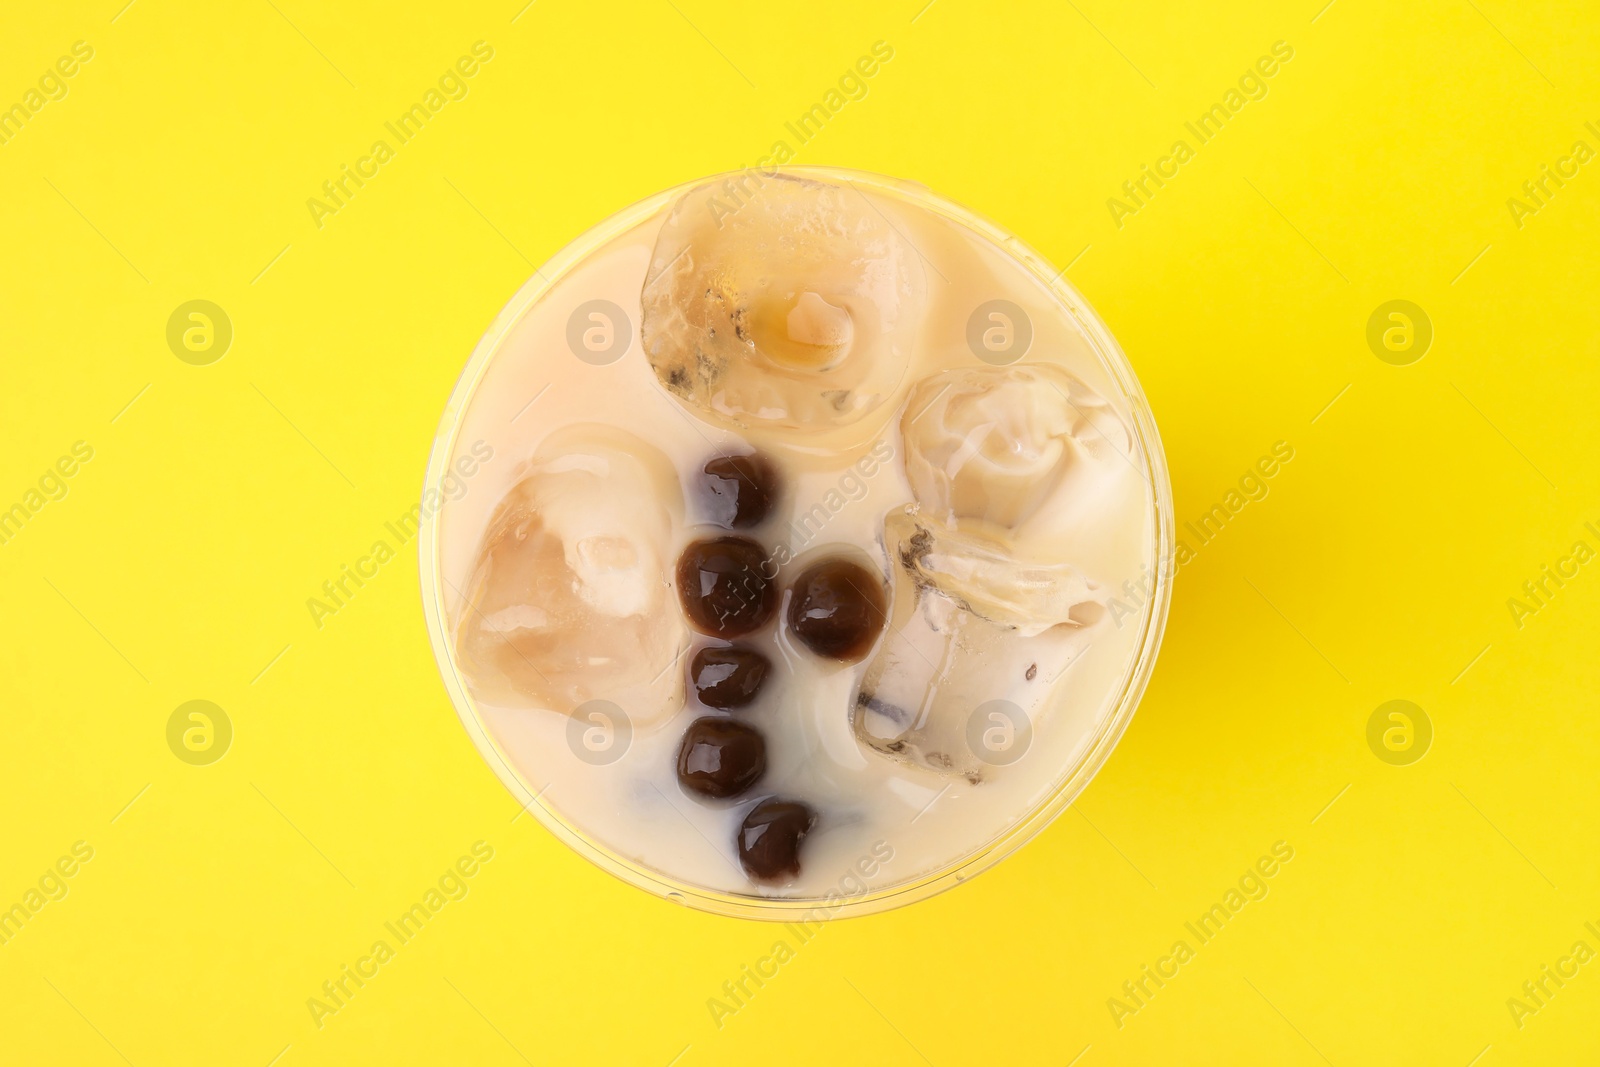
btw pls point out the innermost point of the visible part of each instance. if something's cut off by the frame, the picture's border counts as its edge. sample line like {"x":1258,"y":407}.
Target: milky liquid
{"x":868,"y":806}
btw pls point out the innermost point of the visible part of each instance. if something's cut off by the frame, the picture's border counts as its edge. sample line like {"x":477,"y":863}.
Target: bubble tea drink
{"x":818,"y":562}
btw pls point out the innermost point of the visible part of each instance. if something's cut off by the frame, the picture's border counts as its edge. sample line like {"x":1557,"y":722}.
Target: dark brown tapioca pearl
{"x":721,"y":758}
{"x":728,"y":676}
{"x":837,"y":609}
{"x":770,"y":838}
{"x":740,"y":490}
{"x":726,"y":587}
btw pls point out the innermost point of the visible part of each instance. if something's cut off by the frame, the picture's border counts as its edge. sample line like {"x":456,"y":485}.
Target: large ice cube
{"x":773,"y":301}
{"x":571,"y":599}
{"x":975,"y":633}
{"x":1027,"y":447}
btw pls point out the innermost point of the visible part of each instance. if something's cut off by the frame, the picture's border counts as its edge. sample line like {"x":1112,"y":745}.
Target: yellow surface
{"x":219,"y":898}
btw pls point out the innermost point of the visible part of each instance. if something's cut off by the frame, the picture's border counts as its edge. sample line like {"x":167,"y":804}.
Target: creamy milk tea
{"x":821,"y":544}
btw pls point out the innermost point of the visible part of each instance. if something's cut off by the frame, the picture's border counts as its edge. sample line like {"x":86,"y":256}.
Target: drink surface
{"x":1016,"y":570}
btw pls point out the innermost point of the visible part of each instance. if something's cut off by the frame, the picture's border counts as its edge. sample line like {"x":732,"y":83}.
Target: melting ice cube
{"x":571,"y":599}
{"x":782,"y":302}
{"x":1029,"y":447}
{"x":975,"y":633}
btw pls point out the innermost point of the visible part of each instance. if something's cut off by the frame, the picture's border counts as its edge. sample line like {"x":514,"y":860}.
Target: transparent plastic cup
{"x":1069,"y":781}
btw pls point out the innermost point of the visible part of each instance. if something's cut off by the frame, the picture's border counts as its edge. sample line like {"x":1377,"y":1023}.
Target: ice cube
{"x":571,"y":599}
{"x":781,"y":302}
{"x":975,"y":633}
{"x":1027,"y":447}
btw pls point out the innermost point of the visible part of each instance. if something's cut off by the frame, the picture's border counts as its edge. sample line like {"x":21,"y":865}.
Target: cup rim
{"x":1072,"y":781}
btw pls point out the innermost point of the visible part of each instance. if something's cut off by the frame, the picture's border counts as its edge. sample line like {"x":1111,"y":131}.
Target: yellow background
{"x":1379,"y":567}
